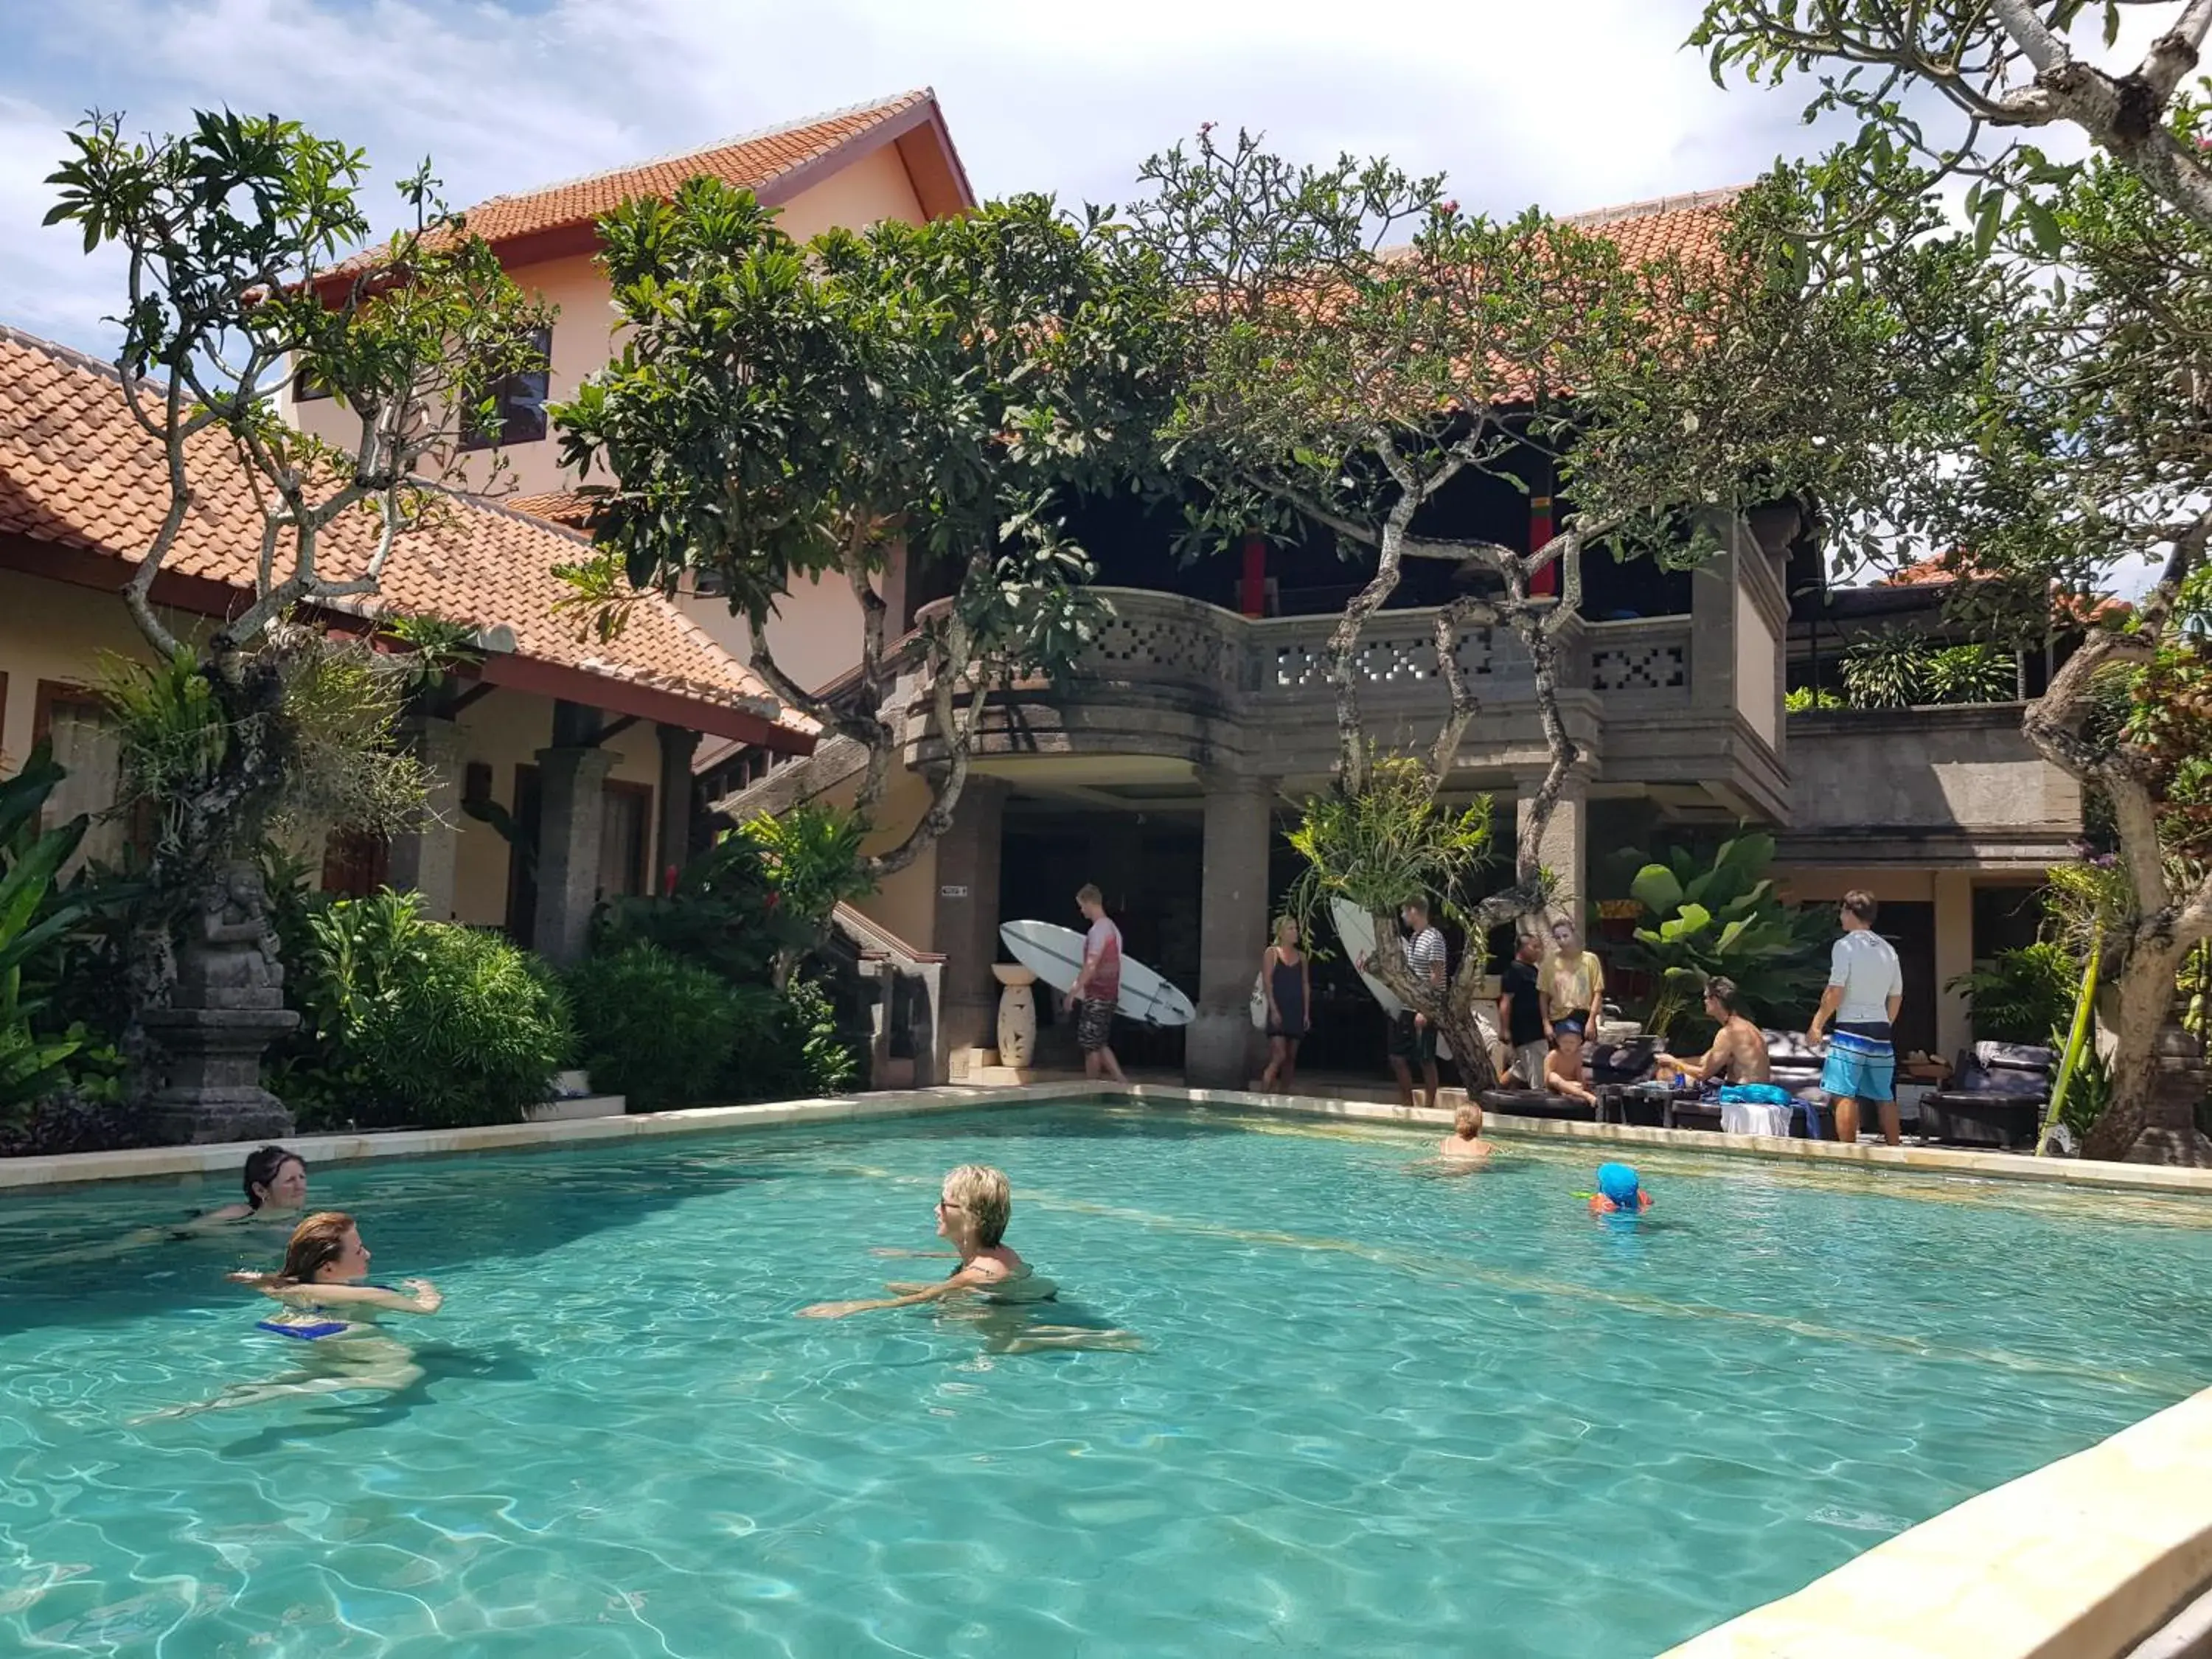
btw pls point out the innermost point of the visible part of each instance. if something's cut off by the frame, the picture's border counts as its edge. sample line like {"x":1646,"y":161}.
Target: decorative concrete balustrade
{"x":1168,"y":641}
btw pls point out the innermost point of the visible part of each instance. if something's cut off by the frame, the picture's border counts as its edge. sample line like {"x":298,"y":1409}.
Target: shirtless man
{"x":1465,"y":1143}
{"x":1738,"y":1050}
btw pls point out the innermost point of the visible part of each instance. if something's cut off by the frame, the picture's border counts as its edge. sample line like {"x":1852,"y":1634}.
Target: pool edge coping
{"x":2083,"y":1557}
{"x":78,"y":1168}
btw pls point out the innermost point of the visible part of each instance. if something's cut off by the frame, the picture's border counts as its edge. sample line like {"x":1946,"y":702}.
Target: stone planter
{"x":1016,"y":1014}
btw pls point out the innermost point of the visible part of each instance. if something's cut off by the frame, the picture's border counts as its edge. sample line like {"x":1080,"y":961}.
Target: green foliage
{"x":333,"y":734}
{"x":1724,"y":921}
{"x":725,"y":916}
{"x":653,"y":1027}
{"x":1807,"y":698}
{"x":668,"y":1033}
{"x":33,"y":922}
{"x":409,"y":1021}
{"x":812,"y":854}
{"x":2022,"y":994}
{"x":1390,"y":841}
{"x":1902,"y":669}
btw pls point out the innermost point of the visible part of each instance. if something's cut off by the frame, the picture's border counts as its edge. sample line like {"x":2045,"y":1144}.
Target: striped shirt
{"x":1424,"y":955}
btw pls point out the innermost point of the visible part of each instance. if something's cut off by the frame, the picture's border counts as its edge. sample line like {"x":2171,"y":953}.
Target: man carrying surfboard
{"x":1413,"y":1035}
{"x":1097,"y":986}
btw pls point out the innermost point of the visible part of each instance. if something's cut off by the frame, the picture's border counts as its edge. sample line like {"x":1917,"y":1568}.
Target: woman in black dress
{"x":1283,"y":974}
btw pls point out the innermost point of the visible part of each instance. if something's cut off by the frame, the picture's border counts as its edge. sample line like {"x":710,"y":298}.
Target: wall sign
{"x":952,"y":892}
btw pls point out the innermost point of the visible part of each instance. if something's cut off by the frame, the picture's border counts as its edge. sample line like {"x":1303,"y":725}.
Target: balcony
{"x":1176,"y":678}
{"x":1957,"y":784}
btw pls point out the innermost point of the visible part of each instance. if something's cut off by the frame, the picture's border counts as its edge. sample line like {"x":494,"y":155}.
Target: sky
{"x":1568,"y":104}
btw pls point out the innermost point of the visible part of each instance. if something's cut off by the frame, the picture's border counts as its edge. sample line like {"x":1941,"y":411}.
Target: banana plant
{"x":1722,"y":920}
{"x":31,"y":921}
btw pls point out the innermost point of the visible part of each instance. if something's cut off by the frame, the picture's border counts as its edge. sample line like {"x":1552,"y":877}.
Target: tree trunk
{"x":2143,"y":999}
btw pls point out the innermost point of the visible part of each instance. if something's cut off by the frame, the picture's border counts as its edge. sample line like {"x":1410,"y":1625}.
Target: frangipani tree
{"x":2086,"y":450}
{"x":231,"y":234}
{"x":782,"y":411}
{"x":1356,"y":343}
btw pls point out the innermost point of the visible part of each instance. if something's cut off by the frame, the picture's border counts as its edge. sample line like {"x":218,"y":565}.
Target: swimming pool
{"x":1375,"y":1414}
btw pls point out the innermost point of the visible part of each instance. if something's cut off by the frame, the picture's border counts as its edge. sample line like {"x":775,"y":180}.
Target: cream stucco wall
{"x":1758,"y":669}
{"x":816,"y":632}
{"x":55,"y":632}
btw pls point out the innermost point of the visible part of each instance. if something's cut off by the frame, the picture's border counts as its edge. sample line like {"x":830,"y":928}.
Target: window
{"x":517,"y":401}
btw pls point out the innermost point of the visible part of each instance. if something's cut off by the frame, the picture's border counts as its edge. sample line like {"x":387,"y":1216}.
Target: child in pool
{"x":972,"y":1211}
{"x":1465,"y":1145}
{"x":1619,"y":1192}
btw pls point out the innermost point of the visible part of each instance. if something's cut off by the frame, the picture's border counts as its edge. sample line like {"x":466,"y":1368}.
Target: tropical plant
{"x":2023,"y":994}
{"x":653,"y":1028}
{"x":1973,"y":673}
{"x":787,"y":1045}
{"x":33,"y":923}
{"x":1885,"y":671}
{"x":1724,"y":920}
{"x":410,"y":1021}
{"x":1807,"y":698}
{"x":811,"y":854}
{"x":724,"y":913}
{"x":1901,"y":670}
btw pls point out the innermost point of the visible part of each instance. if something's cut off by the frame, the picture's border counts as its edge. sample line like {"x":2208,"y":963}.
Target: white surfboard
{"x":1055,"y":955}
{"x":1355,"y":929}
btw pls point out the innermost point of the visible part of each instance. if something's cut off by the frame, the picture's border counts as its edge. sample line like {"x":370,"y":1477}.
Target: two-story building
{"x":1167,"y":770}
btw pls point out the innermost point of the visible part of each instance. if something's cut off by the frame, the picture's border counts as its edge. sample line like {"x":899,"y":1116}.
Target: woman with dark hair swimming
{"x":276,"y":1182}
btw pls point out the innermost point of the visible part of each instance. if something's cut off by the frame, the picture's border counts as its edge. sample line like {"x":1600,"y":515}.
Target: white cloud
{"x":1571,"y":103}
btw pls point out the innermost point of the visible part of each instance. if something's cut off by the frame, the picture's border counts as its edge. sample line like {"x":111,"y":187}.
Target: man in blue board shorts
{"x":1866,"y":987}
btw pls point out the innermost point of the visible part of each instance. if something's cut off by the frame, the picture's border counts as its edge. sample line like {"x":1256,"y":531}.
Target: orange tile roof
{"x":758,"y":162}
{"x":1664,"y":225}
{"x":569,"y":508}
{"x":76,"y":472}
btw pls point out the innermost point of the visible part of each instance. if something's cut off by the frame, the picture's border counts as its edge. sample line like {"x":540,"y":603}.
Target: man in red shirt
{"x":1098,"y":986}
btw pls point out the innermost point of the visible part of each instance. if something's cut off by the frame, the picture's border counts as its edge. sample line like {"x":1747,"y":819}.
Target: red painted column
{"x":1252,"y":591}
{"x":1546,"y":580}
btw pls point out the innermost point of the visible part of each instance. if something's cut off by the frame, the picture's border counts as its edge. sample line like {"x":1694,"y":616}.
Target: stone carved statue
{"x":228,"y":1005}
{"x":231,"y":960}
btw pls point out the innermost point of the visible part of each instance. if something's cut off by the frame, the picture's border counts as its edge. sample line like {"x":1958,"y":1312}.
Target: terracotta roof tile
{"x":754,"y":161}
{"x":1663,"y":225}
{"x":76,"y":471}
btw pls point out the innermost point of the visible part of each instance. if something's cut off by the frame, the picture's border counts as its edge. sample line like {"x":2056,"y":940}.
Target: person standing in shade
{"x":1098,"y":986}
{"x":1520,"y":1013}
{"x":1865,"y":988}
{"x":1572,"y":980}
{"x":1288,"y":983}
{"x":1413,"y":1034}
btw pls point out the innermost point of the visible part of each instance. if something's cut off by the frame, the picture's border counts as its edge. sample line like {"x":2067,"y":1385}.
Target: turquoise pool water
{"x":1375,"y":1414}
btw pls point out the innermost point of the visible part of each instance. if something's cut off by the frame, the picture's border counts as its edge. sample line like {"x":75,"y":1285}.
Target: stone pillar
{"x":1954,"y":956}
{"x":572,"y":817}
{"x":673,"y":849}
{"x":1712,"y":619}
{"x":1564,"y":847}
{"x":1233,"y":929}
{"x":966,"y":930}
{"x":424,"y":858}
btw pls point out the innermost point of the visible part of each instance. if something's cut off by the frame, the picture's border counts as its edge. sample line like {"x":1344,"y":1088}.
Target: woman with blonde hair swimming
{"x":327,"y":1306}
{"x":973,"y":1208}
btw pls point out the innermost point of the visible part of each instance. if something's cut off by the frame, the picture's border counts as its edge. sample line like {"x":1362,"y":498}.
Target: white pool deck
{"x":2083,"y":1559}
